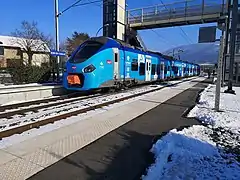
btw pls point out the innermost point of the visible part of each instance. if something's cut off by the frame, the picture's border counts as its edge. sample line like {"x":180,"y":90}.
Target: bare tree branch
{"x":31,"y":39}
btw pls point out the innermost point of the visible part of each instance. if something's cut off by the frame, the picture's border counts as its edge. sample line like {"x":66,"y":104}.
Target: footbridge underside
{"x":176,"y":14}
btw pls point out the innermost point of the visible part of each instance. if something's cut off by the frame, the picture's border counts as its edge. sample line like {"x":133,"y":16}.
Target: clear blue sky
{"x":86,"y":19}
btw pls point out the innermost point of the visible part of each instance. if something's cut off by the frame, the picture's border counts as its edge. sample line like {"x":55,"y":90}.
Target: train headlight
{"x":89,"y":69}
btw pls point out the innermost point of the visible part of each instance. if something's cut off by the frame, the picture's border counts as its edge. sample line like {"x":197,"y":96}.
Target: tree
{"x":31,"y":39}
{"x":76,"y":39}
{"x":62,"y":46}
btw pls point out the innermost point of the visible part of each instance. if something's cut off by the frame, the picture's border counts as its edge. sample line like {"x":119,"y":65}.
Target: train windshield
{"x":86,"y":51}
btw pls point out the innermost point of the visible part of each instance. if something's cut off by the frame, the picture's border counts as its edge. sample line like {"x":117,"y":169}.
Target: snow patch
{"x":190,"y":154}
{"x":209,"y":151}
{"x":227,"y":118}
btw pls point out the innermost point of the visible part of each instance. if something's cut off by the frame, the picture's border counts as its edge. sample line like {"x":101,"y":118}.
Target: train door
{"x":182,"y":70}
{"x":116,"y":63}
{"x":162,"y":67}
{"x":148,"y":70}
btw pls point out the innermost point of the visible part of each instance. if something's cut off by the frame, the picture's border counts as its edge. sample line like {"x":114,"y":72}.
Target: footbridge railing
{"x":184,"y":12}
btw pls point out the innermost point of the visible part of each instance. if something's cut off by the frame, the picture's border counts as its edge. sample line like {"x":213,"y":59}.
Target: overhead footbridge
{"x":177,"y":14}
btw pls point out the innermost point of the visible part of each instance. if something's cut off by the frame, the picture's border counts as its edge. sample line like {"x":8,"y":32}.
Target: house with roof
{"x":14,"y":49}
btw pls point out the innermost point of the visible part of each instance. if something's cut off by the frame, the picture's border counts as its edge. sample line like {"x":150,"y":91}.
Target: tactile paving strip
{"x":18,"y":169}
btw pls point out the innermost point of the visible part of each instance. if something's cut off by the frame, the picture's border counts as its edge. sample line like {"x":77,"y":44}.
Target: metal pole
{"x":224,"y":39}
{"x":232,"y":45}
{"x":203,"y":4}
{"x":228,"y":4}
{"x":236,"y":72}
{"x":223,"y":5}
{"x":57,"y":36}
{"x":219,"y":74}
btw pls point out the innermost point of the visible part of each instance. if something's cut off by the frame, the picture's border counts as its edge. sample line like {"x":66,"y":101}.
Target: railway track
{"x":37,"y":116}
{"x":9,"y":111}
{"x":41,"y":101}
{"x":23,"y":111}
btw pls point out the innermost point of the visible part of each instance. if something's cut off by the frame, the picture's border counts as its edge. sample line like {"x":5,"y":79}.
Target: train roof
{"x":170,"y":57}
{"x":101,"y":39}
{"x":104,"y":39}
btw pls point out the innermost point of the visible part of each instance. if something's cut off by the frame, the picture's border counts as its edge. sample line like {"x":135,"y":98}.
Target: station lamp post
{"x":232,"y":44}
{"x":57,"y":15}
{"x":57,"y":36}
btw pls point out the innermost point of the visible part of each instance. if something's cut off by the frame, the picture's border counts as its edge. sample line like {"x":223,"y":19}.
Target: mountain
{"x":201,"y":53}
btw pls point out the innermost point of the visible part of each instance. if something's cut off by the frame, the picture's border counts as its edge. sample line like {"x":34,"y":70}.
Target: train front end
{"x":89,"y":66}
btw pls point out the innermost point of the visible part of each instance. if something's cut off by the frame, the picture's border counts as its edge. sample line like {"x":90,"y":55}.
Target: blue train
{"x":103,"y":62}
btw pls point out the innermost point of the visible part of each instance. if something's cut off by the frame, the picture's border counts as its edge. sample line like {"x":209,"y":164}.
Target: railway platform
{"x":27,"y":92}
{"x":111,"y":145}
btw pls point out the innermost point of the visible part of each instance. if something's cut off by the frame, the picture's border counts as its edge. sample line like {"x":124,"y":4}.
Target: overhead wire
{"x":76,"y":4}
{"x":187,"y":38}
{"x":90,"y":2}
{"x":69,"y":7}
{"x":159,"y":36}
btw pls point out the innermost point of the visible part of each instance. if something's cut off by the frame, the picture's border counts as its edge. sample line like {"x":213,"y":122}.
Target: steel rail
{"x":35,"y":102}
{"x":49,"y":120}
{"x":37,"y":108}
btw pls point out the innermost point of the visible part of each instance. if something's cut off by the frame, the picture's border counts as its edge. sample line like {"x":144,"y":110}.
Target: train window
{"x":1,"y":51}
{"x":134,"y":66}
{"x":158,"y":69}
{"x":162,"y":67}
{"x":115,"y":57}
{"x":86,"y":51}
{"x":142,"y":69}
{"x":167,"y":68}
{"x":153,"y":69}
{"x":175,"y":69}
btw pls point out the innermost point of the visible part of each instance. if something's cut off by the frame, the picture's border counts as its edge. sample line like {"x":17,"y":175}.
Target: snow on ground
{"x":43,"y":113}
{"x":3,"y":86}
{"x":17,"y":138}
{"x":229,"y":104}
{"x":208,"y":151}
{"x":214,"y":79}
